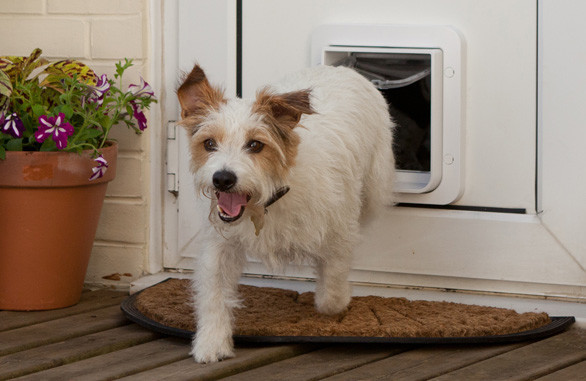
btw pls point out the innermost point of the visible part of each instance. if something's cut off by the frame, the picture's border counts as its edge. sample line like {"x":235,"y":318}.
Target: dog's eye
{"x":254,"y":146}
{"x":210,"y":145}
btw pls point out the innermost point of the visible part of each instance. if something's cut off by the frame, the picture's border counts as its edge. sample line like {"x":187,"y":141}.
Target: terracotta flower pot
{"x":49,"y":212}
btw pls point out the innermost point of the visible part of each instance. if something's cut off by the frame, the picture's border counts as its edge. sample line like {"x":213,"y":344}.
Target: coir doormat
{"x":278,"y":316}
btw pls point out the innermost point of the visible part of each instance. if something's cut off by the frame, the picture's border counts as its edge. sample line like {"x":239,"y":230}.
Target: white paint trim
{"x":562,"y":153}
{"x":170,"y":65}
{"x":154,"y":261}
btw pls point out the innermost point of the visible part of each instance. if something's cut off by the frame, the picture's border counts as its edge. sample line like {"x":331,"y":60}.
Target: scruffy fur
{"x":325,"y":133}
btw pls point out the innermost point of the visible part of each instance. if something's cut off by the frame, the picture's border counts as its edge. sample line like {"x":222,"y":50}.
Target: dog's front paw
{"x":332,"y":303}
{"x":331,"y":307}
{"x":209,"y":349}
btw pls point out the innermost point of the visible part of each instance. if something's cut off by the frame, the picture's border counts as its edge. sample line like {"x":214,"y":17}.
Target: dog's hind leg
{"x":379,"y":178}
{"x":333,"y":293}
{"x":215,"y":285}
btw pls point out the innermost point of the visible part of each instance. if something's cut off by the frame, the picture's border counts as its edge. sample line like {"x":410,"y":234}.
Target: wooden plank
{"x":575,"y":372}
{"x":89,"y":301}
{"x":76,"y":349}
{"x":423,"y":363}
{"x":529,"y":362}
{"x":246,"y":358}
{"x":319,"y":364}
{"x":23,"y":338}
{"x":120,"y":363}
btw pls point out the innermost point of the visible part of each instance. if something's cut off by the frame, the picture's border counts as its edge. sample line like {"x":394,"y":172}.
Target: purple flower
{"x":101,"y":88}
{"x":56,"y":127}
{"x":98,"y":91}
{"x":11,"y":124}
{"x":144,"y":89}
{"x":100,"y":169}
{"x":139,"y":115}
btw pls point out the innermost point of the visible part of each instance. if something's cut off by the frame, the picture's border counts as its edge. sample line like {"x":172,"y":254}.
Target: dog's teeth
{"x":220,"y":209}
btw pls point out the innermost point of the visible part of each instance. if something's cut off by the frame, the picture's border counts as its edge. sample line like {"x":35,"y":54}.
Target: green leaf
{"x":120,"y":69}
{"x":14,"y":145}
{"x":68,"y":68}
{"x":21,"y":67}
{"x":2,"y":153}
{"x":31,"y":62}
{"x":91,"y":133}
{"x":67,"y":110}
{"x":38,"y":110}
{"x":5,"y":84}
{"x":48,"y":145}
{"x":4,"y":104}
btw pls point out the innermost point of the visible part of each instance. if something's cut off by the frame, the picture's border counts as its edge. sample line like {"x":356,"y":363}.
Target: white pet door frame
{"x":437,"y":51}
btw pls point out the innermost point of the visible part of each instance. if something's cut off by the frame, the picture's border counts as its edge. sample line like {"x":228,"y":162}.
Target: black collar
{"x":277,"y":195}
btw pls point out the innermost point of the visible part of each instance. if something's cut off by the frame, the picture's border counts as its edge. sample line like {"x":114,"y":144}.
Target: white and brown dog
{"x":289,"y":175}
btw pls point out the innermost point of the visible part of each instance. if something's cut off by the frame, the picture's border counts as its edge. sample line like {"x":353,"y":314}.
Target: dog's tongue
{"x":231,"y":203}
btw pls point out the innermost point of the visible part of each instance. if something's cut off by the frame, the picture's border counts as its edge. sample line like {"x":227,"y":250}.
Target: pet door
{"x":419,"y":72}
{"x":411,"y":82}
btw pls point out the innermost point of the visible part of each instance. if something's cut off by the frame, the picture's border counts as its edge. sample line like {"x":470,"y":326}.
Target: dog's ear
{"x":285,"y":109}
{"x":196,"y":96}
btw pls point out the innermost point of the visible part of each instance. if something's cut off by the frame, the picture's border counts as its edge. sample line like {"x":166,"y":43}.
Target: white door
{"x":205,"y":32}
{"x":464,"y":247}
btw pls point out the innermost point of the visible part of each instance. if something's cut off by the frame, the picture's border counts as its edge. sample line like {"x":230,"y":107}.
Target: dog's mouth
{"x":231,"y":205}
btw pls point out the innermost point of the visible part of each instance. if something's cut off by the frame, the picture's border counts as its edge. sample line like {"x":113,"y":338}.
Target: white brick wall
{"x":112,"y":38}
{"x":22,"y":6}
{"x":99,"y":33}
{"x":95,"y":7}
{"x":58,"y":37}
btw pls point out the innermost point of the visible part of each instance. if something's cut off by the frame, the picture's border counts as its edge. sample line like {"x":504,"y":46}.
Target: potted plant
{"x":55,"y":163}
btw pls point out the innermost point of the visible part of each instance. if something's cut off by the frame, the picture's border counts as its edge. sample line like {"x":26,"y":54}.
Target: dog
{"x":289,"y":176}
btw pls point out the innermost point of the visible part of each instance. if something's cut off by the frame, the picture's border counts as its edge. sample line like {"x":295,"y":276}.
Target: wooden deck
{"x":93,"y":341}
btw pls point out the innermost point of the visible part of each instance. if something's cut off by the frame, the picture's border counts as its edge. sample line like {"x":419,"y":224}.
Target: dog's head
{"x":241,"y":151}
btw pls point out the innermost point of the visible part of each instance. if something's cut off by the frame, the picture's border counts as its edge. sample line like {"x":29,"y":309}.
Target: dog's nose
{"x":224,"y":180}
